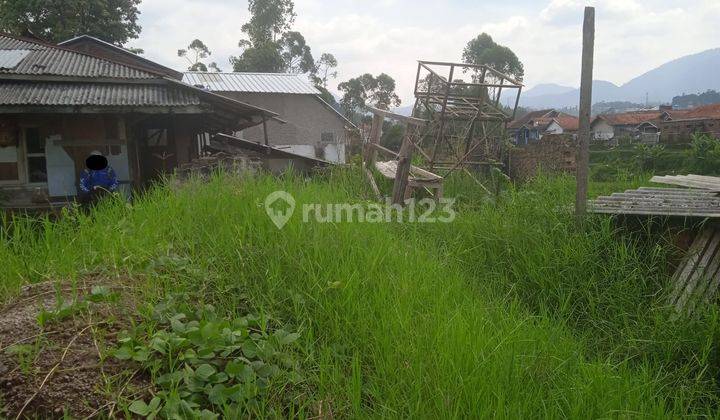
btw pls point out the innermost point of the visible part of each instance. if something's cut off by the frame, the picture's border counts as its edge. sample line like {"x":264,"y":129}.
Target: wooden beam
{"x":397,"y":117}
{"x":583,"y":151}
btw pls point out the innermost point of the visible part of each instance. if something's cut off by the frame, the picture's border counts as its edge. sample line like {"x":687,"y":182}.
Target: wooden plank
{"x":698,"y":273}
{"x":383,"y":149}
{"x":398,"y":117}
{"x":389,"y":169}
{"x":713,"y":285}
{"x":688,"y":265}
{"x":704,"y":287}
{"x":583,"y":152}
{"x":710,"y":202}
{"x":653,"y":212}
{"x":690,"y":181}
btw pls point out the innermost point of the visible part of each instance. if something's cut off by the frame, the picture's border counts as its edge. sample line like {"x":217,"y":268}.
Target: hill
{"x":689,"y":74}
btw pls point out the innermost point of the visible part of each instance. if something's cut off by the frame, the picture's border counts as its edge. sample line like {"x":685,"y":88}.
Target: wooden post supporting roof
{"x":583,"y":151}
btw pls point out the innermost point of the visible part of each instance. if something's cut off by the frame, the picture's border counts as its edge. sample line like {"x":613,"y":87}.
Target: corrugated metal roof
{"x":45,"y":59}
{"x":252,"y":82}
{"x":11,"y":58}
{"x":94,"y":94}
{"x":9,"y":43}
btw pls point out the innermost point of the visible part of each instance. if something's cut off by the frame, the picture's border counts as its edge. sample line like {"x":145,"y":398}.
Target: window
{"x":9,"y":151}
{"x":327,"y":137}
{"x":35,"y":155}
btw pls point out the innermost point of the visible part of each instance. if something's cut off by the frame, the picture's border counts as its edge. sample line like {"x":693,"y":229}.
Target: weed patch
{"x":205,"y":366}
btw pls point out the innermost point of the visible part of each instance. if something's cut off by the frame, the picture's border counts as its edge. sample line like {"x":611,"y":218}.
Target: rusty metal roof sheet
{"x":252,"y":82}
{"x":46,"y":59}
{"x":94,"y":94}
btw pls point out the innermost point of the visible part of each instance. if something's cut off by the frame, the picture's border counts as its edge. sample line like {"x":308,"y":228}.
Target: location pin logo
{"x":279,"y":206}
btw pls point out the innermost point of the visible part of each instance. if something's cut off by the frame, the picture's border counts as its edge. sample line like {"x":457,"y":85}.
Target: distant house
{"x":643,"y":126}
{"x":534,"y":125}
{"x":699,"y":120}
{"x":664,"y":125}
{"x":57,"y":105}
{"x":307,"y":125}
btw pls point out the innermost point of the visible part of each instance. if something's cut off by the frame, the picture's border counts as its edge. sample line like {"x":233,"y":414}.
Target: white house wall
{"x":602,"y":130}
{"x":307,"y":119}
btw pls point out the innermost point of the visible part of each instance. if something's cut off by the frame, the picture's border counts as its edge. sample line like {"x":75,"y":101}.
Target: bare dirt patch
{"x":54,"y":341}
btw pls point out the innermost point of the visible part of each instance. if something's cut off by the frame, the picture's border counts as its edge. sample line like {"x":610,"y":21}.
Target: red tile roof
{"x":543,"y":119}
{"x":568,"y":122}
{"x":707,"y":111}
{"x":631,"y":118}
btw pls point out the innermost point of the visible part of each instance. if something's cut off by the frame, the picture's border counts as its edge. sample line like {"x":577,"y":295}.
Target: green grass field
{"x":512,"y":310}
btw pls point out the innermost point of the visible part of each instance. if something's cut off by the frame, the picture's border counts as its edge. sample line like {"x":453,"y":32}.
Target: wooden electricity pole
{"x":583,"y":148}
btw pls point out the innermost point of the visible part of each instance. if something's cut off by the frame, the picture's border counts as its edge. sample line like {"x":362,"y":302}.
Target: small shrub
{"x":647,"y":157}
{"x":704,"y":154}
{"x":205,"y":366}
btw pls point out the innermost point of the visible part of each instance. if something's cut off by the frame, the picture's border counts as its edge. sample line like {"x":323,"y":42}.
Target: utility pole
{"x":583,"y":150}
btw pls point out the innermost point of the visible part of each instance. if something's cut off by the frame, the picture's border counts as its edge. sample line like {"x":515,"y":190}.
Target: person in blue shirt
{"x":97,"y":179}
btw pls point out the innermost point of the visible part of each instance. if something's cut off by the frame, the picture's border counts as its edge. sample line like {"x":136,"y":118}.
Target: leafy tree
{"x":296,"y":53}
{"x":195,"y":52}
{"x":263,"y":50}
{"x":483,"y":50}
{"x":364,"y":90}
{"x":261,"y":58}
{"x":324,"y":69}
{"x":114,"y":21}
{"x":270,"y":45}
{"x":270,"y":18}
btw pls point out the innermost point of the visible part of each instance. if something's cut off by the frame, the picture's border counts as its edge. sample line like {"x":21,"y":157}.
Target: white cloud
{"x":391,"y":35}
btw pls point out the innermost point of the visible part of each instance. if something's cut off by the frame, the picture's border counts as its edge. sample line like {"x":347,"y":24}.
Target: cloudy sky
{"x":632,"y":36}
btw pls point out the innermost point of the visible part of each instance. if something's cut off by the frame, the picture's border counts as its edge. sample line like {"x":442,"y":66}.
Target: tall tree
{"x":366,"y":89}
{"x":264,"y":57}
{"x":195,"y":53}
{"x":262,"y":50}
{"x":296,"y":53}
{"x":325,"y":69}
{"x":270,"y":45}
{"x":483,"y":50}
{"x":269,"y":19}
{"x":114,"y":21}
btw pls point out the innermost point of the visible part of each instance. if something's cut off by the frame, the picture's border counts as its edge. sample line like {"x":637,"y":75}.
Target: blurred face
{"x":96,"y":162}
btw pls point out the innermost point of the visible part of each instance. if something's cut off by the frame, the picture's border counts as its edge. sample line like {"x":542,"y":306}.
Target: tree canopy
{"x":325,"y":69}
{"x":114,"y":21}
{"x":296,"y":53}
{"x":269,"y":19}
{"x":483,"y":50}
{"x":365,"y":90}
{"x":195,"y":52}
{"x":272,"y":47}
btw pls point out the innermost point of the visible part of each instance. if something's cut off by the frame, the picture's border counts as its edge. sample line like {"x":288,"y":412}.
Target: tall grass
{"x":510,"y":311}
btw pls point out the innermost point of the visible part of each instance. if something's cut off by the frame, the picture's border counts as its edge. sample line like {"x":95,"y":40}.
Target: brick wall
{"x":553,"y":153}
